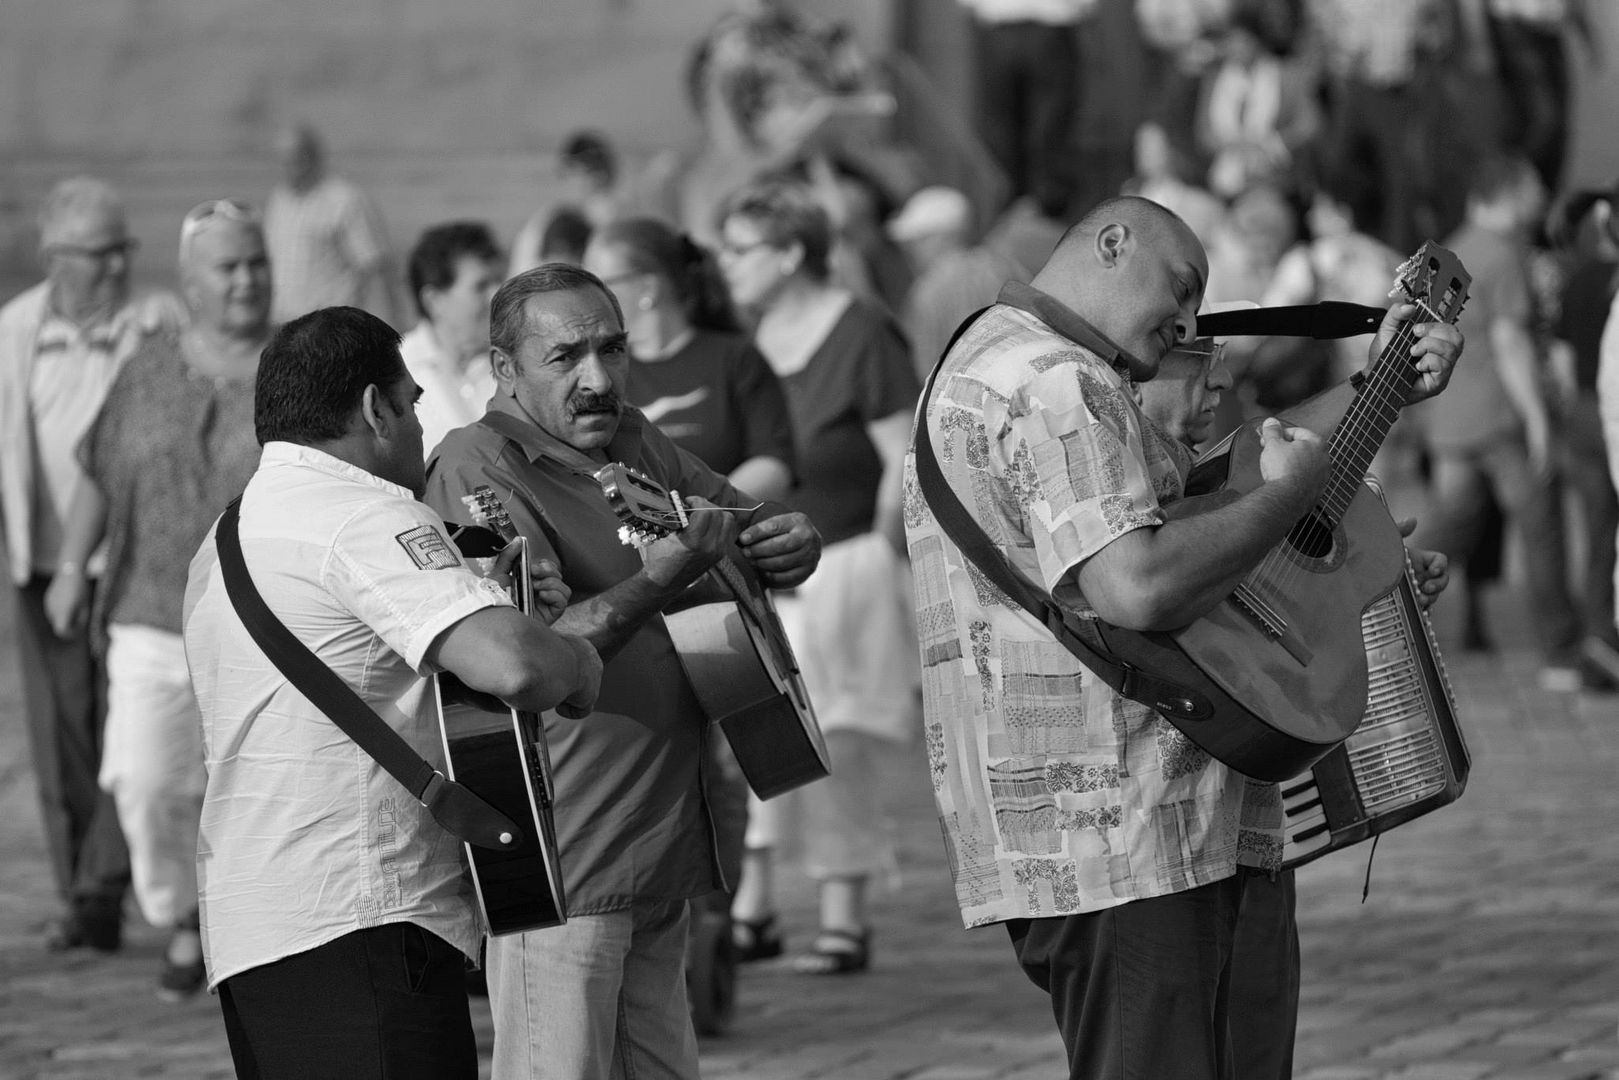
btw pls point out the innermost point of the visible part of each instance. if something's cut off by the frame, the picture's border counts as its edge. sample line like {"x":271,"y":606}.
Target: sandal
{"x":836,"y":952}
{"x":755,"y":939}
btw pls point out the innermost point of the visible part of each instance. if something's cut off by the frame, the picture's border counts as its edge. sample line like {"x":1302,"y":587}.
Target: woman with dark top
{"x":851,"y":388}
{"x":692,"y":370}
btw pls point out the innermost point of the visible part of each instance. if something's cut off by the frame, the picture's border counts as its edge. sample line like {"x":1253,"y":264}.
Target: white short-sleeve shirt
{"x":304,"y":837}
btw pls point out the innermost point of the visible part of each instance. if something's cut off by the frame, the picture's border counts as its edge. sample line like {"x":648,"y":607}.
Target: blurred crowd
{"x":786,"y":283}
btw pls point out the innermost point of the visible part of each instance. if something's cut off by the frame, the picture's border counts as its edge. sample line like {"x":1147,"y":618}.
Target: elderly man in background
{"x":172,"y":444}
{"x":61,"y":344}
{"x":953,"y":278}
{"x":454,"y":271}
{"x":327,"y":243}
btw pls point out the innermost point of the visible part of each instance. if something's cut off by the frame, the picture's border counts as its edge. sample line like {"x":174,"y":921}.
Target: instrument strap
{"x":1178,"y":701}
{"x":461,"y":812}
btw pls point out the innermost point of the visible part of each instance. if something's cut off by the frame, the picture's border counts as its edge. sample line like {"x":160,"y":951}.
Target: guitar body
{"x":500,"y":755}
{"x":1286,"y":689}
{"x":732,"y":647}
{"x":760,"y":705}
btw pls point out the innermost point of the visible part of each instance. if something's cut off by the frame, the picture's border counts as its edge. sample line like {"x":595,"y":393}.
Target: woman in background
{"x":851,"y":389}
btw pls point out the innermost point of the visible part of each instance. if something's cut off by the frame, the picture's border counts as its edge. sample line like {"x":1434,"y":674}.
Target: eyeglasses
{"x":1204,"y":351}
{"x":120,"y":248}
{"x":736,"y":251}
{"x":229,"y":209}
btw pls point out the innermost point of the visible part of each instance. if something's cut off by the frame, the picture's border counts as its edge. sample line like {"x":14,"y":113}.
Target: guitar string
{"x":1389,"y":385}
{"x":1381,"y":389}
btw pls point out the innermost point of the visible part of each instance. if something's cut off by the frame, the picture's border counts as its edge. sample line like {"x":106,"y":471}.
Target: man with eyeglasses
{"x":61,"y":344}
{"x":172,"y":443}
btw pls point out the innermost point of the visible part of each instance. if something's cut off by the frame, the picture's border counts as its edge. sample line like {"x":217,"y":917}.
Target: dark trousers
{"x":1534,"y":73}
{"x":388,"y":1003}
{"x":1585,"y":470}
{"x":64,"y":697}
{"x":1029,"y":86}
{"x":1146,"y":990}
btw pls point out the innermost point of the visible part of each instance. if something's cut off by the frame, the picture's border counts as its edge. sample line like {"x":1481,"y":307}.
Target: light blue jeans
{"x":601,"y":997}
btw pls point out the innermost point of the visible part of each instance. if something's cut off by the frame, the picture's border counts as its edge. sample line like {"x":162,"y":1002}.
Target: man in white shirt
{"x":61,"y":344}
{"x":327,"y":241}
{"x":454,"y":271}
{"x":335,"y":914}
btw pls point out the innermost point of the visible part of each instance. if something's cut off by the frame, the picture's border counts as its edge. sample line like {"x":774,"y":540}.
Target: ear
{"x":1111,"y":242}
{"x":373,"y":405}
{"x":504,"y":367}
{"x":792,"y":257}
{"x":430,"y":300}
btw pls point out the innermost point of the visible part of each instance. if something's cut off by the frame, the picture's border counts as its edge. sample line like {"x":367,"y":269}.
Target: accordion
{"x":1407,"y":757}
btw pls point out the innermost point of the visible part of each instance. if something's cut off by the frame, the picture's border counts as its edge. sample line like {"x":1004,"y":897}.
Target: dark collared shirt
{"x":632,"y":822}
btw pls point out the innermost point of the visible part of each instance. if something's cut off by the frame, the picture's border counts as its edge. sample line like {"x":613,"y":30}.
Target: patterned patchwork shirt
{"x":1056,"y":796}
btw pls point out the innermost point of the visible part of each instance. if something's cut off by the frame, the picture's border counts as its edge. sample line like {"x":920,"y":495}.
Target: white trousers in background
{"x":152,"y":765}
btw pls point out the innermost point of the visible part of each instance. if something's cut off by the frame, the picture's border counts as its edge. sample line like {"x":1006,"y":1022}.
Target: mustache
{"x":589,"y":401}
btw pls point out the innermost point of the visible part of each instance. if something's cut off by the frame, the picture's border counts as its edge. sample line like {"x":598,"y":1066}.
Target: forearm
{"x":609,"y":619}
{"x":86,"y":524}
{"x":560,"y":671}
{"x":1165,"y":577}
{"x":763,"y":477}
{"x":1520,"y":377}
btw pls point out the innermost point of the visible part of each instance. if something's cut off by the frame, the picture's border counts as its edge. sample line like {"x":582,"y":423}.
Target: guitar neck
{"x":1364,"y":427}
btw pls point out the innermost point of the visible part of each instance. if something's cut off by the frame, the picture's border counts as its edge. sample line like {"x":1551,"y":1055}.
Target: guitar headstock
{"x":1434,"y":280}
{"x":647,"y":509}
{"x":487,"y":510}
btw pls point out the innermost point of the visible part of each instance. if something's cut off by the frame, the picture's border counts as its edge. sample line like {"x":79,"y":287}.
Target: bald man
{"x":61,"y":344}
{"x":170,"y":446}
{"x":1115,"y":851}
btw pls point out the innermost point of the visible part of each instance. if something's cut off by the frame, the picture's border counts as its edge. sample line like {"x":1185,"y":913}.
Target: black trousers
{"x":388,"y":1003}
{"x":1151,"y":989}
{"x":1029,"y":90}
{"x":64,"y":689}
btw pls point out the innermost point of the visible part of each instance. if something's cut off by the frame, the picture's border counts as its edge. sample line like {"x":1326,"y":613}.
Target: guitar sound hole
{"x":1311,"y":537}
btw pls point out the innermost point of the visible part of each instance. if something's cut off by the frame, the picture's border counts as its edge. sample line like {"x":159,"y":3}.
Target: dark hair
{"x":690,"y":271}
{"x":433,"y":260}
{"x":508,"y":312}
{"x":592,"y":152}
{"x":314,"y":372}
{"x":786,"y":213}
{"x":565,"y":236}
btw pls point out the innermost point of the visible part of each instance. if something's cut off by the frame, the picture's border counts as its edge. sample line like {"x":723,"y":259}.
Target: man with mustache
{"x":1117,"y":852}
{"x":604,"y":994}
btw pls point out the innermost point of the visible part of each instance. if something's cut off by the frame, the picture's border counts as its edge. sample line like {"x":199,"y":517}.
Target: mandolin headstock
{"x":1434,"y":280}
{"x":646,"y":508}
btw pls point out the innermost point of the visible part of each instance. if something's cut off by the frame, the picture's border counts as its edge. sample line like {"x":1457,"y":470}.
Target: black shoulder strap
{"x":453,"y":806}
{"x":1125,"y":680}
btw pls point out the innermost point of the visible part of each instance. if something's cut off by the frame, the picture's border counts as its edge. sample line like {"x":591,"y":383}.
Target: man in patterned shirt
{"x":1108,"y":843}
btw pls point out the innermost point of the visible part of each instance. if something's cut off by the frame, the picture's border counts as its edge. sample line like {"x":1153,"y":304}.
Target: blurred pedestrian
{"x":1492,"y":433}
{"x":954,"y":277}
{"x":61,"y":345}
{"x":453,"y":273}
{"x":851,"y":387}
{"x":172,"y":444}
{"x":693,"y":372}
{"x":327,"y":242}
{"x":591,"y":193}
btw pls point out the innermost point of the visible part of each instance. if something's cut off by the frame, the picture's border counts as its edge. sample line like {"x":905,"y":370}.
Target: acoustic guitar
{"x":500,"y":753}
{"x":732,"y":648}
{"x":1277,"y":672}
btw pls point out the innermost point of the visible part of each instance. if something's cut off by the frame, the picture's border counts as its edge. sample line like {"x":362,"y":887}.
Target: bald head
{"x":1135,"y":271}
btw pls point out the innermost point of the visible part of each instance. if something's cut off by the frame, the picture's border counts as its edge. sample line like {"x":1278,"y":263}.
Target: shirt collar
{"x":286,"y":453}
{"x":1066,"y":322}
{"x":538,"y":443}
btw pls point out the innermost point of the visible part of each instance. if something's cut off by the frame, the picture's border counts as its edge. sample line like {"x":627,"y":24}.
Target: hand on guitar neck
{"x":675,"y":561}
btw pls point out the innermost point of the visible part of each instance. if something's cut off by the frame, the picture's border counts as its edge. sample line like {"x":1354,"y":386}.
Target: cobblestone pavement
{"x":1487,"y":948}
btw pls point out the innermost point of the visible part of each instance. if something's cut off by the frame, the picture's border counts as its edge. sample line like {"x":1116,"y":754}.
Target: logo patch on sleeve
{"x":427,"y":548}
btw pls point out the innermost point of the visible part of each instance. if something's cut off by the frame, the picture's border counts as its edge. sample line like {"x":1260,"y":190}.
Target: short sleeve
{"x":360,"y":226}
{"x":1072,"y":456}
{"x":395,"y":568}
{"x":887,"y":374}
{"x":762,"y":406}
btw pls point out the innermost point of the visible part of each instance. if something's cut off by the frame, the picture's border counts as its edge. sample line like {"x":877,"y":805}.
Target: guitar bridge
{"x":1270,"y":622}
